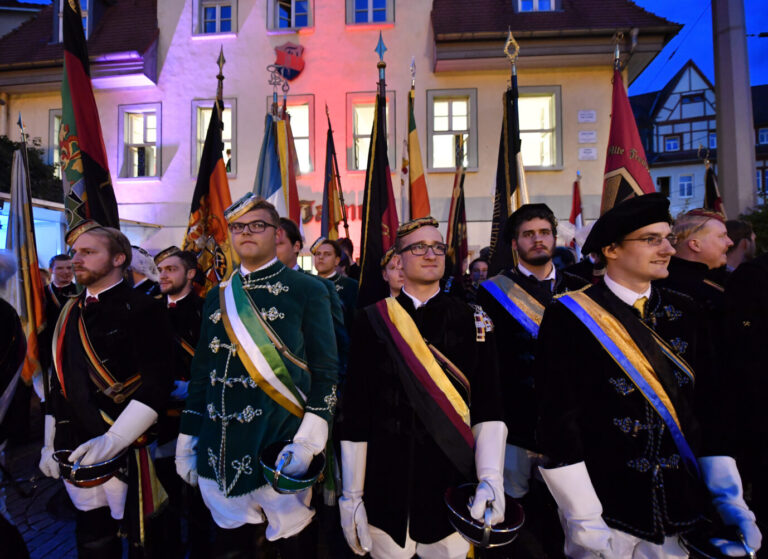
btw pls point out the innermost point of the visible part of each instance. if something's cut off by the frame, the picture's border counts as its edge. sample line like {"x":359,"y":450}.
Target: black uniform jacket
{"x":407,"y":473}
{"x":590,"y":411}
{"x":13,"y":348}
{"x":517,"y":350}
{"x":55,"y":299}
{"x":131,"y":334}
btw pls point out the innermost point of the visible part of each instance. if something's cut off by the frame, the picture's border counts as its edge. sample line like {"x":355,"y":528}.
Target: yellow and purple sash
{"x":625,"y":352}
{"x":441,"y":408}
{"x":520,"y":304}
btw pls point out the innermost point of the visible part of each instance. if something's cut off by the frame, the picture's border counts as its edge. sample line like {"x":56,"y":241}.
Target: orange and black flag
{"x":88,"y":192}
{"x":332,"y":213}
{"x":456,"y":239}
{"x":207,"y":234}
{"x":626,"y":169}
{"x":417,"y":183}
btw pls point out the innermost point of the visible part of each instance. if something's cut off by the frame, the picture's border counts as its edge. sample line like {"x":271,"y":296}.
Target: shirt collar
{"x":244,"y":271}
{"x":89,"y":293}
{"x":416,"y":302}
{"x":169,"y":300}
{"x":526,"y":272}
{"x":297,"y":267}
{"x":624,"y":293}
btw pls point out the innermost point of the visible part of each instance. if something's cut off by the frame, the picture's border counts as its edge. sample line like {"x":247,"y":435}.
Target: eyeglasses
{"x":656,"y":240}
{"x":421,"y":249}
{"x":257,"y":226}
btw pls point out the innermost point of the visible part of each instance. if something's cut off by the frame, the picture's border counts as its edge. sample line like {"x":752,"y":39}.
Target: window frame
{"x":680,"y":185}
{"x":759,"y":175}
{"x":295,"y":101}
{"x":273,"y":23}
{"x":472,"y":126}
{"x":669,"y":137}
{"x":198,"y":18}
{"x":555,"y":6}
{"x":354,"y":98}
{"x":556,"y":92}
{"x":122,"y":151}
{"x":712,"y":140}
{"x":54,"y":155}
{"x":351,"y":11}
{"x":196,"y":148}
{"x":762,"y":136}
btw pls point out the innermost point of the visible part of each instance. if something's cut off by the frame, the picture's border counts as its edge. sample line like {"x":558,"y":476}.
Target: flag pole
{"x":521,"y":193}
{"x":338,"y":179}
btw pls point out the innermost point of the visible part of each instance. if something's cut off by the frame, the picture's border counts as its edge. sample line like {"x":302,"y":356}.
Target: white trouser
{"x":519,"y":465}
{"x":110,"y":494}
{"x":627,"y":546}
{"x":450,"y":547}
{"x":287,"y":515}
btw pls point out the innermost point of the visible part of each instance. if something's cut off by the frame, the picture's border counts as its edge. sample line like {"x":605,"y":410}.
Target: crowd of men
{"x":616,"y":400}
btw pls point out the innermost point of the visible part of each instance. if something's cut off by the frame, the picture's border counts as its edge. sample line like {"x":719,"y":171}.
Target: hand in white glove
{"x":134,"y":420}
{"x":186,"y":458}
{"x":354,"y":523}
{"x":181,"y":390}
{"x":354,"y":519}
{"x":490,"y":444}
{"x":309,"y":440}
{"x":575,"y":495}
{"x":48,"y":465}
{"x":724,"y":482}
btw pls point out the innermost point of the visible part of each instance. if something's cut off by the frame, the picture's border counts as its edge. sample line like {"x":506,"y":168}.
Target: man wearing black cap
{"x":112,"y":380}
{"x":627,"y":454}
{"x":409,"y":429}
{"x":515,"y":301}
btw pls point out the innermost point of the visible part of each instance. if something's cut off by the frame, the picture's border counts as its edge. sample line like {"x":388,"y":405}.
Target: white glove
{"x":181,"y":390}
{"x":48,"y":465}
{"x":724,"y":483}
{"x":354,"y":519}
{"x":572,"y":489}
{"x":490,"y":443}
{"x":134,"y":420}
{"x":186,"y":458}
{"x":308,"y":441}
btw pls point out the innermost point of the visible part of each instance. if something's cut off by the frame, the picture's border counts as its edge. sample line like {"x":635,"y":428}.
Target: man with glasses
{"x":264,"y":371}
{"x":629,"y":460}
{"x":422,"y":412}
{"x":515,"y":300}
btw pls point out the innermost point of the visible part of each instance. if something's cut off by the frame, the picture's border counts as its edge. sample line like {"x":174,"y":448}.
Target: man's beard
{"x":89,"y":277}
{"x":538,"y":260}
{"x":175,"y":289}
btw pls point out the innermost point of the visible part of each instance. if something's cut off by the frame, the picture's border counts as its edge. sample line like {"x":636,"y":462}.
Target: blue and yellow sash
{"x":624,"y":351}
{"x":523,"y":307}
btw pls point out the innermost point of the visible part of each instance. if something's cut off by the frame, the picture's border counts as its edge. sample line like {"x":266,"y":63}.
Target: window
{"x":450,"y":113}
{"x":302,"y":111}
{"x":663,"y":184}
{"x":210,"y":17}
{"x":370,"y":11}
{"x":139,"y":130}
{"x":535,"y":5}
{"x":541,"y":140}
{"x":685,"y":186}
{"x":54,"y":156}
{"x":762,"y":136}
{"x":671,"y":143}
{"x":692,"y":98}
{"x":289,"y":14}
{"x":201,"y":116}
{"x":360,"y":108}
{"x":759,"y":181}
{"x":84,"y":13}
{"x":712,"y":140}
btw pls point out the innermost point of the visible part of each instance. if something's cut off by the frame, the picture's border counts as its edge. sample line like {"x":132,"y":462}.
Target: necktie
{"x":90,"y":299}
{"x":171,"y":305}
{"x":640,"y":306}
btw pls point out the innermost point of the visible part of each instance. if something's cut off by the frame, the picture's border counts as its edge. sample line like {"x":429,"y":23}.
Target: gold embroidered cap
{"x":241,"y":206}
{"x":167,"y":253}
{"x":82,"y":227}
{"x":387,"y":256}
{"x":316,"y":244}
{"x":410,"y":226}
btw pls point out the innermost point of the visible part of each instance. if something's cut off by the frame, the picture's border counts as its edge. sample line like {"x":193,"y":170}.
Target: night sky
{"x":695,"y":41}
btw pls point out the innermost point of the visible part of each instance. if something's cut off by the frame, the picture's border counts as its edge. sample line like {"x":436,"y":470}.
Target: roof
{"x":125,"y":26}
{"x":19,"y":6}
{"x":453,"y":18}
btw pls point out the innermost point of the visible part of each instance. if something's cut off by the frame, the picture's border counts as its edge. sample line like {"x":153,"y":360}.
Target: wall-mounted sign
{"x":587,"y":116}
{"x":289,"y":61}
{"x":587,"y":136}
{"x":587,"y":154}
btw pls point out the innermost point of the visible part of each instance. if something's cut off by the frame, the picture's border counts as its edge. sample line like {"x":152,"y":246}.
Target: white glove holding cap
{"x":309,"y":440}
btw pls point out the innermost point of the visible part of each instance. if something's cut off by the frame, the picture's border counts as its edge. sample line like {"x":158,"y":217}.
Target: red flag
{"x":575,"y":218}
{"x":418,"y":184}
{"x":626,"y":169}
{"x":712,"y":199}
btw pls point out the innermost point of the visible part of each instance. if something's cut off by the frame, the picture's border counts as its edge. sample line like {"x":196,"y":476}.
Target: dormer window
{"x":536,"y":5}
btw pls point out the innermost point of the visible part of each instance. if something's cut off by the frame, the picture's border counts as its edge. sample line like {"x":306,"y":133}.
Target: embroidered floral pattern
{"x":622,"y":386}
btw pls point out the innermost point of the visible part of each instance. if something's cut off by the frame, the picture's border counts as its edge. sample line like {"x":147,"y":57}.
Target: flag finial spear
{"x":515,"y":47}
{"x":221,"y":60}
{"x":381,"y":48}
{"x":617,"y":38}
{"x":413,"y":71}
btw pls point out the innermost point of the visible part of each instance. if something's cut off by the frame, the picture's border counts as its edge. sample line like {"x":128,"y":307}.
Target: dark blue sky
{"x":695,"y":41}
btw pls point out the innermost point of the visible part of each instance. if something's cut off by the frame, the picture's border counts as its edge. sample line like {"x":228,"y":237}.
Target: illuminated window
{"x":139,"y":129}
{"x":451,"y":113}
{"x":201,"y":116}
{"x":360,"y":109}
{"x":54,"y":156}
{"x":536,"y":5}
{"x":671,"y":143}
{"x":762,"y":136}
{"x":301,"y":108}
{"x":370,"y":11}
{"x":289,"y":14}
{"x":540,"y":129}
{"x":685,"y":186}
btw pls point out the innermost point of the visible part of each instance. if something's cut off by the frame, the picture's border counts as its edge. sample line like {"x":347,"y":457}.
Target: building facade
{"x":154,"y":73}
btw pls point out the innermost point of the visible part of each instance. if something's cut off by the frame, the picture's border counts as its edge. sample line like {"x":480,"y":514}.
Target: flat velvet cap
{"x":410,"y":226}
{"x":240,"y":207}
{"x":628,"y":216}
{"x":167,"y":253}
